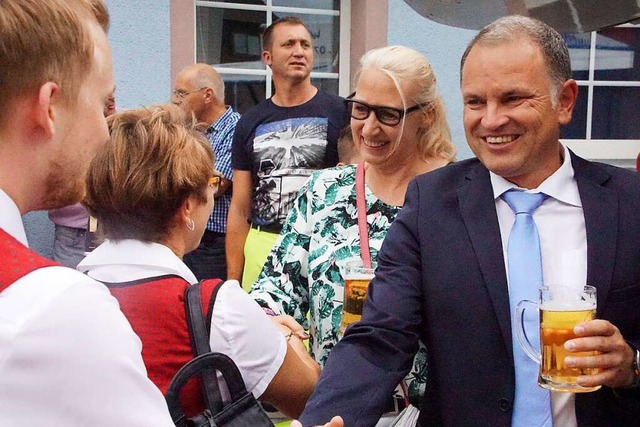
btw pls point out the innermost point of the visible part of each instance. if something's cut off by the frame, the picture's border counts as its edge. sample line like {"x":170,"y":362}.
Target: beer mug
{"x":560,"y":309}
{"x":356,"y":282}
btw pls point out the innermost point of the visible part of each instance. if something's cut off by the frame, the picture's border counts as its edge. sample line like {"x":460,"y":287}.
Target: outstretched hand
{"x":335,"y":422}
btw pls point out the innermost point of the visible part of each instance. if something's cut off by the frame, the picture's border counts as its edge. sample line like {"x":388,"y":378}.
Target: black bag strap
{"x":198,"y":330}
{"x":202,"y":364}
{"x":199,"y":334}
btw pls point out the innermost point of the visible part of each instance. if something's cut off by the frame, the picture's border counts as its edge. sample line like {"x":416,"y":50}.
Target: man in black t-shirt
{"x":276,"y":146}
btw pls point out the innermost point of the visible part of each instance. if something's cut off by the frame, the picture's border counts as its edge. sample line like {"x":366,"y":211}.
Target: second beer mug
{"x":560,"y":308}
{"x":356,"y":282}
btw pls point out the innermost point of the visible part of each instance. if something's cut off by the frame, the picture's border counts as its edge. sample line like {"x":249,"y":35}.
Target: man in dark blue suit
{"x":442,"y":272}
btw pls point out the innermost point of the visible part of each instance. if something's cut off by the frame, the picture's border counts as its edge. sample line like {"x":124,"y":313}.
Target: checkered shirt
{"x":220,"y":135}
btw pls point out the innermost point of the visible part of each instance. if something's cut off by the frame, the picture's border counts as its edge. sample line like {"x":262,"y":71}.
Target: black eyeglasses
{"x":389,"y":116}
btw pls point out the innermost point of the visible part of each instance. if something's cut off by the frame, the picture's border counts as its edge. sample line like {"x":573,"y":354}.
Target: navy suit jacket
{"x":441,"y":278}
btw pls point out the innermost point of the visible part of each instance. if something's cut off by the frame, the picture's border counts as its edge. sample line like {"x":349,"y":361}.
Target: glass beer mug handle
{"x":521,"y":335}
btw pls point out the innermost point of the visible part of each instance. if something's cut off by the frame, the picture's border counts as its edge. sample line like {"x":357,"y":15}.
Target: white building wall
{"x":443,"y":46}
{"x":139,"y":36}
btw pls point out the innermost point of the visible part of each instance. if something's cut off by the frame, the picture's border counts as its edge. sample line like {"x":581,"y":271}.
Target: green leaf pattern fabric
{"x":302,"y":276}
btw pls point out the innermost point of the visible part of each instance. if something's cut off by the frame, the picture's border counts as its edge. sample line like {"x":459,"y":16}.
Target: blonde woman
{"x":400,"y":131}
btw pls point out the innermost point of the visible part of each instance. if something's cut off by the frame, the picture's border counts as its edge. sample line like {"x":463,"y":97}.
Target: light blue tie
{"x":532,"y":406}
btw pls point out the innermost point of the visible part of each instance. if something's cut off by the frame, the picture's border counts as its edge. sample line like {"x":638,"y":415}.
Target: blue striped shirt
{"x":220,"y":135}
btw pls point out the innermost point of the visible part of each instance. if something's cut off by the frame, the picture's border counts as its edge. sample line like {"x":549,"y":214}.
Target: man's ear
{"x":266,"y":57}
{"x":567,"y":98}
{"x":46,"y":110}
{"x":209,"y":96}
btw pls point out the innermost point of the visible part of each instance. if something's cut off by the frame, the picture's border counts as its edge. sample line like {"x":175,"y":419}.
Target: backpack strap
{"x":208,"y":292}
{"x":199,"y":300}
{"x":17,"y":260}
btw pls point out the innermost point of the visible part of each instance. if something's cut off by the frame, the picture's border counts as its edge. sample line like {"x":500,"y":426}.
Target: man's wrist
{"x":635,"y":366}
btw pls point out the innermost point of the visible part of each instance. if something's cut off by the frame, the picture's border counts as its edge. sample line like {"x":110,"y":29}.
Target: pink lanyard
{"x":365,"y":253}
{"x":361,"y":206}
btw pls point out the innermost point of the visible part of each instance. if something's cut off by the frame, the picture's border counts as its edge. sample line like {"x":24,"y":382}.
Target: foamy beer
{"x":561,"y":309}
{"x":356,"y":282}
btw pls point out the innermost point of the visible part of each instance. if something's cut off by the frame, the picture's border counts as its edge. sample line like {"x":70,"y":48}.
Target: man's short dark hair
{"x":267,"y":36}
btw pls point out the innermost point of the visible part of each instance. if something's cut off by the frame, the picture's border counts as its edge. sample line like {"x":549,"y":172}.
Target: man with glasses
{"x":199,"y":89}
{"x":276,"y":146}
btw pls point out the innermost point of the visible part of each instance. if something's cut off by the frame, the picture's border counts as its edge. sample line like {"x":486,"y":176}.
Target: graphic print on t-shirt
{"x":285,"y":153}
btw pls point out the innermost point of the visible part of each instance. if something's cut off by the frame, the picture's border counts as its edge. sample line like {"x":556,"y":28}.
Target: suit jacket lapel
{"x":478,"y":211}
{"x":600,"y":207}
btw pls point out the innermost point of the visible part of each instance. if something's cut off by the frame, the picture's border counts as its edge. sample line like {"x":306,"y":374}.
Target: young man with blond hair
{"x":68,"y":356}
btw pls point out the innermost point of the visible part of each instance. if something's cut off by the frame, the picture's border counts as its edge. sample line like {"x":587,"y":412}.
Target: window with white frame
{"x":228,"y":36}
{"x":606,"y":120}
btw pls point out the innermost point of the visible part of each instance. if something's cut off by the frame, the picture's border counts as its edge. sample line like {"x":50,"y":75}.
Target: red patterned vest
{"x":17,"y":260}
{"x":155,"y":307}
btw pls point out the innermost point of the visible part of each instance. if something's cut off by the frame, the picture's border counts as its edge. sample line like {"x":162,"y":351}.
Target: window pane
{"x":577,"y":128}
{"x":229,"y":37}
{"x":579,"y":45}
{"x":313,"y":4}
{"x":615,"y":113}
{"x":617,"y":54}
{"x":260,"y":2}
{"x":325,"y":32}
{"x":243,"y":92}
{"x":327,"y":85}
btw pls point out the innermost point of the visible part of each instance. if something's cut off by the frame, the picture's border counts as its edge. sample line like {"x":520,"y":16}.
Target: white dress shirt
{"x":239,"y":327}
{"x":563,"y":245}
{"x":68,"y":356}
{"x":10,"y":218}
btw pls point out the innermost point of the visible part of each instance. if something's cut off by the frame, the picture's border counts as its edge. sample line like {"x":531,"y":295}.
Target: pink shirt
{"x":75,"y":216}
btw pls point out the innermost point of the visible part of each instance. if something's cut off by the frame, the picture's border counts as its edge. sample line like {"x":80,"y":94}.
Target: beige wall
{"x":369,"y":23}
{"x":182,"y":30}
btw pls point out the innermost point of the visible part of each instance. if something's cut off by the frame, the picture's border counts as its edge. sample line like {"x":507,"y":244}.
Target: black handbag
{"x":242,"y":410}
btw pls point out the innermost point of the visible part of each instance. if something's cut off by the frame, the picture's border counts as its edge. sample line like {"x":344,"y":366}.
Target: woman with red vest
{"x":151,"y":188}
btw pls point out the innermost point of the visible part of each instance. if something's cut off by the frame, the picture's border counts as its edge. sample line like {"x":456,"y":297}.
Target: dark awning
{"x":566,"y":16}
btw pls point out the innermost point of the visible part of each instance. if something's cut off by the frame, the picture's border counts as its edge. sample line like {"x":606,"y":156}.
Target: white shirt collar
{"x":11,"y":220}
{"x":128,"y":260}
{"x":560,"y":185}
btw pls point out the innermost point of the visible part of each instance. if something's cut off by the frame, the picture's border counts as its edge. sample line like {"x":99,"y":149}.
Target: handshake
{"x":335,"y":422}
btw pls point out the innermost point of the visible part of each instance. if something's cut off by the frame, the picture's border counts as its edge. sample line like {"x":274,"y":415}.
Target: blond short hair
{"x":156,"y":158}
{"x":403,"y":64}
{"x":46,"y":40}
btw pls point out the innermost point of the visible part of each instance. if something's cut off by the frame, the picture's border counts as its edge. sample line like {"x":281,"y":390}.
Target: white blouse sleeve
{"x":241,"y":330}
